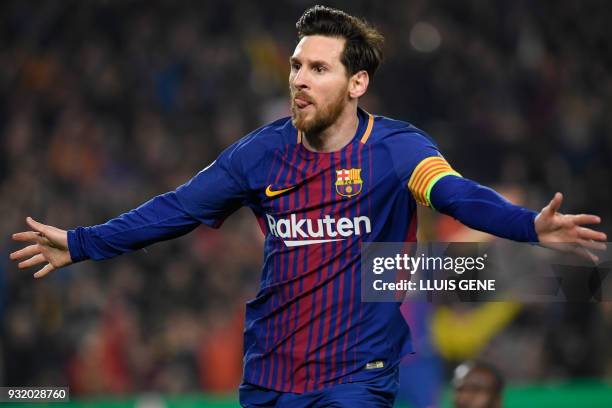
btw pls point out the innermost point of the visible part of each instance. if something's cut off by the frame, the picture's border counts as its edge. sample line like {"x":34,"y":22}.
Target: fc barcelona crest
{"x":348,"y":182}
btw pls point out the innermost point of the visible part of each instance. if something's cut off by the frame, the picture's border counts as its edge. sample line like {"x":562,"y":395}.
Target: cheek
{"x":330,"y":94}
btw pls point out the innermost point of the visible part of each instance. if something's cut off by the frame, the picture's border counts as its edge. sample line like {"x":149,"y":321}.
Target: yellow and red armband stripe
{"x":425,"y":176}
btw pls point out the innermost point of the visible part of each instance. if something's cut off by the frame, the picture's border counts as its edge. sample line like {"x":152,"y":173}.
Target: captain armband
{"x":425,"y":175}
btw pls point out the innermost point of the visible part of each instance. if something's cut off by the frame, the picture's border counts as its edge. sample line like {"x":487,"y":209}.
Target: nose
{"x":298,"y":79}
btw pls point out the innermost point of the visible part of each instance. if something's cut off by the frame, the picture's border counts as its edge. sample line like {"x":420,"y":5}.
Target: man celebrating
{"x":320,"y":183}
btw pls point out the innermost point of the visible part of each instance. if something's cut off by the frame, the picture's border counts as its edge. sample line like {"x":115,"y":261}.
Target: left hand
{"x":554,"y":229}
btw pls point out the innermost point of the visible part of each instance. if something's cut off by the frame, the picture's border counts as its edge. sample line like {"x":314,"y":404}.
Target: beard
{"x":323,"y":117}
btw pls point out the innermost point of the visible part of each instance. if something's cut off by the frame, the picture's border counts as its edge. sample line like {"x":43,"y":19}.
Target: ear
{"x":358,"y":84}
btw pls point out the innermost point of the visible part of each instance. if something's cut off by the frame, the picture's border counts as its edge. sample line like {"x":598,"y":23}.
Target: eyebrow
{"x":313,"y":62}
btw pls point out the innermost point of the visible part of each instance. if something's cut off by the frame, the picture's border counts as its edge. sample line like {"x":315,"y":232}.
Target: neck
{"x":336,"y":136}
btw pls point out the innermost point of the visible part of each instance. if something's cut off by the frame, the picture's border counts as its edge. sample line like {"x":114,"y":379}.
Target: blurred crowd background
{"x":104,"y":104}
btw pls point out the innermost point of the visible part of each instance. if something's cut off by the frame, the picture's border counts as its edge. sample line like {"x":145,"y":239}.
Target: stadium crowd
{"x":104,"y":104}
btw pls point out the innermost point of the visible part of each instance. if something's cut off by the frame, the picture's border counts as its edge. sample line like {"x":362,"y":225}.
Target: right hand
{"x":50,"y":246}
{"x":567,"y":232}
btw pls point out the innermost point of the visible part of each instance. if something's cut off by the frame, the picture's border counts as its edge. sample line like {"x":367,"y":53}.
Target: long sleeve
{"x":159,"y":219}
{"x":208,"y":198}
{"x":434,"y":183}
{"x":482,"y":208}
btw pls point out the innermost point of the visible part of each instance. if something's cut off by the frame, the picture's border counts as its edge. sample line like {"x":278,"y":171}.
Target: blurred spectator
{"x":477,"y":385}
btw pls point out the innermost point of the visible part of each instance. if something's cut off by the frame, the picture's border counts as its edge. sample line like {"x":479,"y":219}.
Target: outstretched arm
{"x":208,"y":198}
{"x":434,"y":183}
{"x":482,"y":208}
{"x":159,"y":219}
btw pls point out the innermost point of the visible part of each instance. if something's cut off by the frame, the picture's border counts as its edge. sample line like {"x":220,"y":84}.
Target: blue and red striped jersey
{"x":307,"y":327}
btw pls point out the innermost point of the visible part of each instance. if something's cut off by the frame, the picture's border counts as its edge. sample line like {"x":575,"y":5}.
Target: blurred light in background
{"x":424,"y":37}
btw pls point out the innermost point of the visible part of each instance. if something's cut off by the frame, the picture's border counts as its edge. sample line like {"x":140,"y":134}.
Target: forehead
{"x":319,"y":48}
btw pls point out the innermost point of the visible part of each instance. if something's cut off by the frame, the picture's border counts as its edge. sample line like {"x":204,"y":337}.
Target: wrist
{"x":534,"y":235}
{"x":75,"y":245}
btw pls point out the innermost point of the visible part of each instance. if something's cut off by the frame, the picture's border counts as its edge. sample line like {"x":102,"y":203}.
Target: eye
{"x":319,"y":69}
{"x":295,"y":66}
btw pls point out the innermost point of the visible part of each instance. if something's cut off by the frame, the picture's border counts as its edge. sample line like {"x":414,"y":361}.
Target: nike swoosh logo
{"x":274,"y":193}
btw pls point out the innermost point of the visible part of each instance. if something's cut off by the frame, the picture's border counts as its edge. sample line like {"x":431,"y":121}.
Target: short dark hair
{"x":364,"y":44}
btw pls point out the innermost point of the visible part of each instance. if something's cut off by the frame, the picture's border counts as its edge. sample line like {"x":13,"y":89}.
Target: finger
{"x":587,"y":233}
{"x":26,"y":236}
{"x":555,"y":203}
{"x":35,"y":260}
{"x":580,"y":219}
{"x":36,"y":226}
{"x":585,"y":253}
{"x":548,"y":208}
{"x":44,"y":270}
{"x":25,"y":252}
{"x":587,"y":243}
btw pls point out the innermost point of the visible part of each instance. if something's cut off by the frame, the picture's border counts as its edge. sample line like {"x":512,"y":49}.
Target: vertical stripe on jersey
{"x":324,"y":163}
{"x":270,"y":243}
{"x":278,"y":323}
{"x":299,"y":267}
{"x":269,"y":335}
{"x":287,"y":322}
{"x":357,"y":285}
{"x":338,"y":316}
{"x":349,"y":280}
{"x":330,"y":289}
